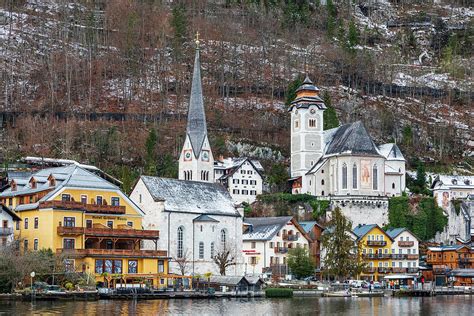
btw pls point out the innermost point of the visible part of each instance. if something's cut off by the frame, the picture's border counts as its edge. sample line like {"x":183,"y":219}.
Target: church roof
{"x":205,"y":218}
{"x":353,"y":139}
{"x":391,"y":152}
{"x":191,"y":196}
{"x":196,"y":128}
{"x":306,"y":100}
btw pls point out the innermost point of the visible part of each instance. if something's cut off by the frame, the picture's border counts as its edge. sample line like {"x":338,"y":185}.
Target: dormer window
{"x":33,"y":183}
{"x":52,"y":181}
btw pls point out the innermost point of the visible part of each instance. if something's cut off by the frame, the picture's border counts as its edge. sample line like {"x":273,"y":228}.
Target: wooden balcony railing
{"x":410,"y":243}
{"x":369,"y":270}
{"x":109,"y":232}
{"x":440,"y":270}
{"x":412,"y":257}
{"x":398,"y":256}
{"x":383,"y":270}
{"x":399,"y":270}
{"x":281,"y":250}
{"x":88,"y":208}
{"x":376,"y":256}
{"x":379,"y":243}
{"x":412,"y":270}
{"x":6,"y":231}
{"x":129,"y":253}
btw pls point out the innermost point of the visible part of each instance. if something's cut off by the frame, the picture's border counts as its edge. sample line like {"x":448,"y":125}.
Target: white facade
{"x":8,"y":222}
{"x":241,"y":177}
{"x":401,"y":246}
{"x":448,"y":187}
{"x":261,"y":254}
{"x":182,"y":235}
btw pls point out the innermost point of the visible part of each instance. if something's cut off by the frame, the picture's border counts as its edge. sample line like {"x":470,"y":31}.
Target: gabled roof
{"x":264,"y":228}
{"x":227,"y":280}
{"x":353,"y":139}
{"x":191,"y":196}
{"x":13,"y":215}
{"x":205,"y":218}
{"x":362,"y":230}
{"x":238,"y":162}
{"x":391,"y":152}
{"x":449,"y":248}
{"x":394,"y":232}
{"x":308,"y":225}
{"x":196,"y":127}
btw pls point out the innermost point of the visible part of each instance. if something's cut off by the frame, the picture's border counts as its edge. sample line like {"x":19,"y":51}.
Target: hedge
{"x":278,"y":292}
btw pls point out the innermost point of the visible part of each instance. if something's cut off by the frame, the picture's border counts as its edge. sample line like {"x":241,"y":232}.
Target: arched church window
{"x":375,"y":178}
{"x":344,"y":176}
{"x":322,"y":182}
{"x":201,"y":250}
{"x":322,"y":193}
{"x":354,"y":176}
{"x":393,"y":185}
{"x":180,"y":241}
{"x":223,"y":238}
{"x":212,"y":249}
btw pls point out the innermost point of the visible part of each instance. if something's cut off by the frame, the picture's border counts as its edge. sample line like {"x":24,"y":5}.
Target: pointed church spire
{"x":196,"y":128}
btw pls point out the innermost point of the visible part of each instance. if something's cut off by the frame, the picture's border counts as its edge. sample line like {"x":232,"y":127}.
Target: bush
{"x":278,"y":292}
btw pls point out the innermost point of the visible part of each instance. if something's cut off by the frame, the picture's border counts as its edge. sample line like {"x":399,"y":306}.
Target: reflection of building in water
{"x":342,"y":164}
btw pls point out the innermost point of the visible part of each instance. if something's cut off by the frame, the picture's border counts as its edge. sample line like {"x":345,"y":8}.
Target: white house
{"x":8,"y":221}
{"x":342,"y":164}
{"x":405,"y":250}
{"x":242,"y":177}
{"x":266,"y":242}
{"x":450,"y":187}
{"x":196,"y":220}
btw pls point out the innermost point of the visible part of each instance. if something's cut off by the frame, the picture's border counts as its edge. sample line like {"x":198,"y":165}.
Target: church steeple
{"x":197,"y":128}
{"x":196,"y":161}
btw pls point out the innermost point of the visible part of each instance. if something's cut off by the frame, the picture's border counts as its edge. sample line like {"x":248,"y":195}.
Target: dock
{"x":434,"y":291}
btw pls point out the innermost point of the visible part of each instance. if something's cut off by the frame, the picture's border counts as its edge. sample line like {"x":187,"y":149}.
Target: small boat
{"x":337,"y":294}
{"x":370,"y":294}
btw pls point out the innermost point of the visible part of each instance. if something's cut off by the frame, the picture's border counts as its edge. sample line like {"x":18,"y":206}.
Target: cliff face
{"x":87,"y":79}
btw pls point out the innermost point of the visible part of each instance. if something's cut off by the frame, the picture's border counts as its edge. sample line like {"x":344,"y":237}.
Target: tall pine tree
{"x":330,"y":116}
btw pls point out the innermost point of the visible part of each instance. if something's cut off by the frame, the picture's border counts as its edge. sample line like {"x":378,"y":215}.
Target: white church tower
{"x":307,"y":133}
{"x":196,"y":162}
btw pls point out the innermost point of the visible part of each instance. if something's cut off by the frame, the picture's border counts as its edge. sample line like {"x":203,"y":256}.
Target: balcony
{"x":116,"y":253}
{"x":440,"y":270}
{"x":412,"y":257}
{"x":88,"y":208}
{"x":466,"y":260}
{"x":276,"y":269}
{"x":399,"y":270}
{"x":369,"y":270}
{"x":410,"y":243}
{"x":6,"y":231}
{"x":281,"y":250}
{"x":376,"y":256}
{"x":398,"y":256}
{"x":383,"y":270}
{"x":377,"y":243}
{"x":412,"y":270}
{"x":109,"y":232}
{"x":292,"y":237}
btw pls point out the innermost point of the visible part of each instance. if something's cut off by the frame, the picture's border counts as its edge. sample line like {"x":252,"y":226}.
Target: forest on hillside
{"x":93,"y":80}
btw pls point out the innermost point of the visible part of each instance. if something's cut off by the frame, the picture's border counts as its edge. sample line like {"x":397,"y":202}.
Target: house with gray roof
{"x":267,"y":241}
{"x":243,"y":178}
{"x":196,"y":220}
{"x":342,"y":164}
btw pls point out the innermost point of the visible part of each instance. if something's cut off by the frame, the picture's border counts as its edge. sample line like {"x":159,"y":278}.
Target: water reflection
{"x":441,"y":305}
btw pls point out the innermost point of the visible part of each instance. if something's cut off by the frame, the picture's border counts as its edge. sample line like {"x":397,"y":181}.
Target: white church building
{"x":196,"y":217}
{"x":342,"y":164}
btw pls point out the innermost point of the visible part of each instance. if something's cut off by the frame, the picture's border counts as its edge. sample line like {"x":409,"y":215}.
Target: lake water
{"x":385,"y":306}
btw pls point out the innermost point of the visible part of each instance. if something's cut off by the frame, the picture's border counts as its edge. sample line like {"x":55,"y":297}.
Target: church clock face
{"x":312,"y":111}
{"x":205,"y":155}
{"x":187,"y":155}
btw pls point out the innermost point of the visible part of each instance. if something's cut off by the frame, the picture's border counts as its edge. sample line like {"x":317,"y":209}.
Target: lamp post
{"x":32,"y":275}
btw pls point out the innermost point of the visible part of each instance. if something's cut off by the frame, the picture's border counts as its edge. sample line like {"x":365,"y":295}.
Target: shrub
{"x":278,"y":292}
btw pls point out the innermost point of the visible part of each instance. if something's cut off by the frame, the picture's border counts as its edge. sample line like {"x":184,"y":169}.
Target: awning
{"x":400,"y":276}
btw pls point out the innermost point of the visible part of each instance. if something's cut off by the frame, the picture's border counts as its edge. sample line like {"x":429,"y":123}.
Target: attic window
{"x":33,"y":183}
{"x":13,"y":185}
{"x":454,"y":181}
{"x":52,"y":181}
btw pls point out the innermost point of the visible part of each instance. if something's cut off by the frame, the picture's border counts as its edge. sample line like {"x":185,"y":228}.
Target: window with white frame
{"x":223,"y":238}
{"x":201,"y":250}
{"x":180,"y":242}
{"x":344,"y":176}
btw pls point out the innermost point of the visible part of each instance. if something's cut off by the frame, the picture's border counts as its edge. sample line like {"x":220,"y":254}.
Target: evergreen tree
{"x":179,"y":24}
{"x":278,"y":177}
{"x":331,"y":18}
{"x":342,"y":259}
{"x":420,"y":181}
{"x":150,"y":149}
{"x":168,"y":166}
{"x":300,"y":263}
{"x":330,"y":115}
{"x":352,"y":35}
{"x":291,"y":91}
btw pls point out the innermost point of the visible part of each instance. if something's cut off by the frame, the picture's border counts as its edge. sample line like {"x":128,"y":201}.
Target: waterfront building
{"x":88,"y":221}
{"x":376,"y":251}
{"x":8,"y":221}
{"x":445,"y":259}
{"x":243,"y":178}
{"x":196,"y":162}
{"x":266,"y":242}
{"x":197,"y":221}
{"x":342,"y":164}
{"x":405,"y":251}
{"x":314,"y":231}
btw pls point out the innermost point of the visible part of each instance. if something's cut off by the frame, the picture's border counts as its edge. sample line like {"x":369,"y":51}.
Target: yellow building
{"x":376,"y":251}
{"x":89,"y":222}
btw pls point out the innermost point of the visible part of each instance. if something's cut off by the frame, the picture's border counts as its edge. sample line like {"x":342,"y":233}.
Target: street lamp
{"x":32,"y":275}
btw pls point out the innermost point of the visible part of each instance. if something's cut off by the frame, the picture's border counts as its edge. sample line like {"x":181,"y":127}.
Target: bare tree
{"x":183,"y":262}
{"x":224,"y":258}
